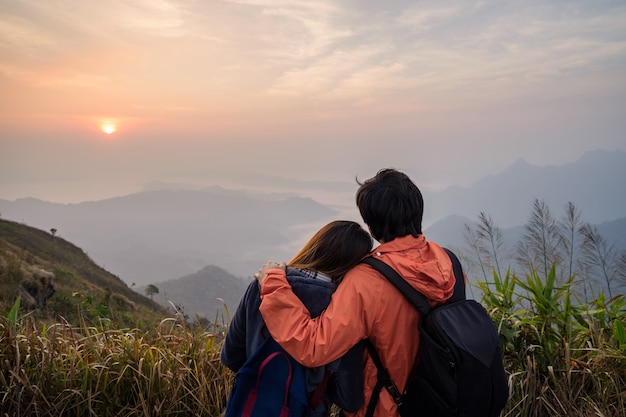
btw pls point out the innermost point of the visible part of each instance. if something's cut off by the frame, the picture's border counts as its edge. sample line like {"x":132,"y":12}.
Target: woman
{"x":313,"y":274}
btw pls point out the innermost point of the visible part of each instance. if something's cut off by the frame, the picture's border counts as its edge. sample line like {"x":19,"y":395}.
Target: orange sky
{"x":254,"y":92}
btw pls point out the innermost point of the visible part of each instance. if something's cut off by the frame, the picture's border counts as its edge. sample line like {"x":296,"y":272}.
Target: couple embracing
{"x":322,"y":304}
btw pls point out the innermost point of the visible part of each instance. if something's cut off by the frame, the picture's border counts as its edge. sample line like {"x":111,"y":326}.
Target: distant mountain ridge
{"x":594,"y":183}
{"x":154,"y":236}
{"x":160,"y":235}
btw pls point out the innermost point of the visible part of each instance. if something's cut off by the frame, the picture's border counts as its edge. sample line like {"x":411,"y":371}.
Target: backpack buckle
{"x":393,"y":390}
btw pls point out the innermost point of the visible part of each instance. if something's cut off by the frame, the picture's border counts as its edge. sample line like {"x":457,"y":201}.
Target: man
{"x":366,"y":305}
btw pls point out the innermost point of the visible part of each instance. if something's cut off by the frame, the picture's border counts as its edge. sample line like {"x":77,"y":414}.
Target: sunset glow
{"x":109,"y":128}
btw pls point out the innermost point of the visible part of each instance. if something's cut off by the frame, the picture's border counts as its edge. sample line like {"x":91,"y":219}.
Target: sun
{"x":108,"y":128}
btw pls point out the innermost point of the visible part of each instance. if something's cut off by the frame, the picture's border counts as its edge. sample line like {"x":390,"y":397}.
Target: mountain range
{"x":595,"y":184}
{"x":171,"y":236}
{"x":159,"y":235}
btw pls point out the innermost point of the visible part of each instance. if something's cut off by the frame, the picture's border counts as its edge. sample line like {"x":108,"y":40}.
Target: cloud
{"x":425,"y":18}
{"x":451,"y":48}
{"x":159,"y":18}
{"x":326,"y":50}
{"x":19,"y":33}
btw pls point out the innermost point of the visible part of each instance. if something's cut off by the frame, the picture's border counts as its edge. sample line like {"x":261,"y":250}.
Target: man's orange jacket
{"x":365,"y":305}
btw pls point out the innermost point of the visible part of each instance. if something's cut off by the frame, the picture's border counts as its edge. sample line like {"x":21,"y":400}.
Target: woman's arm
{"x":234,"y":351}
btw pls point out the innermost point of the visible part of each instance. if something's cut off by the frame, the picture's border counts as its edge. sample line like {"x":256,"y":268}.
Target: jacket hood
{"x":424,"y":265}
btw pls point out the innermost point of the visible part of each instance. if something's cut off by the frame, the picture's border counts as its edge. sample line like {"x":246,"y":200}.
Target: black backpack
{"x":460,"y":371}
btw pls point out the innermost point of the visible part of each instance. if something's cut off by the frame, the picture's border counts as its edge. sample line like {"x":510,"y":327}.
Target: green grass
{"x":563,"y":357}
{"x":563,"y":337}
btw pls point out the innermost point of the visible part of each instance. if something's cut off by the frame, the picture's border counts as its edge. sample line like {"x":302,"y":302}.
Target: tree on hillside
{"x":151,"y":289}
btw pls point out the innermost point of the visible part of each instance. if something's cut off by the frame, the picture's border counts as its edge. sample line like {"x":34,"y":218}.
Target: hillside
{"x":56,"y":279}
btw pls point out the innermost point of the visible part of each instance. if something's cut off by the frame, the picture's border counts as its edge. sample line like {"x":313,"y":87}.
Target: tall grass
{"x":564,"y":358}
{"x":62,"y":370}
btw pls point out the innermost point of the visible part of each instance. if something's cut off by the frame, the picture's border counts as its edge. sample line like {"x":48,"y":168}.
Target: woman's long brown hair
{"x":334,"y":249}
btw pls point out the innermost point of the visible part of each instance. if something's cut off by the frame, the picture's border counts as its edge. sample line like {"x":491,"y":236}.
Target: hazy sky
{"x":252,"y":91}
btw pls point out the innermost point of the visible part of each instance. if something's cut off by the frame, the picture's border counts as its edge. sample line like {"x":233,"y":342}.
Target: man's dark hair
{"x":391,"y":205}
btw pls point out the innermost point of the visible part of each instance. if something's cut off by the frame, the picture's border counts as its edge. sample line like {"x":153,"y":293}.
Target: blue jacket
{"x":247,"y":331}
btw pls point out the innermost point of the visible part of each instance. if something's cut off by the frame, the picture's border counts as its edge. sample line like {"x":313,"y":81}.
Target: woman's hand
{"x":260,"y":275}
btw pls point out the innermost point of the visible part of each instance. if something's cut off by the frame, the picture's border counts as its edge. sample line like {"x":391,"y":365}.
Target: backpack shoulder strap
{"x":459,"y":285}
{"x":414,"y":296}
{"x":383,"y":380}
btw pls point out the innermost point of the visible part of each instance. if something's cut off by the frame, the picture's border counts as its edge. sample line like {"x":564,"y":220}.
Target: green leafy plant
{"x":12,"y":316}
{"x":563,"y":339}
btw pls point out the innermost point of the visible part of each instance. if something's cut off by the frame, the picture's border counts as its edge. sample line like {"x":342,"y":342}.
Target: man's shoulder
{"x":363,"y":279}
{"x":361,"y":269}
